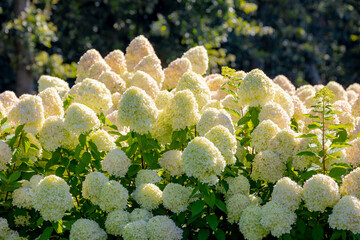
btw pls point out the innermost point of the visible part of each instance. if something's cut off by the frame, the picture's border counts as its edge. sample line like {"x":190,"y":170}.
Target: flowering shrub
{"x":135,"y":151}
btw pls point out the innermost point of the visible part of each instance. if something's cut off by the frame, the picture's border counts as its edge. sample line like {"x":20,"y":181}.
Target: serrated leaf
{"x":197,"y":207}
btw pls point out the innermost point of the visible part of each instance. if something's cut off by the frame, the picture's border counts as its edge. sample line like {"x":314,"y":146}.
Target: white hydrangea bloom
{"x":197,"y":85}
{"x":229,"y":102}
{"x":135,"y":230}
{"x":263,"y":134}
{"x":4,"y":226}
{"x":320,"y":192}
{"x":352,"y":96}
{"x":90,"y":57}
{"x":29,"y":111}
{"x":176,"y":197}
{"x":93,"y":94}
{"x":97,"y":69}
{"x":22,"y":221}
{"x":60,"y":85}
{"x":346,"y":215}
{"x":137,"y":110}
{"x":52,"y":198}
{"x":284,"y":143}
{"x":34,"y":181}
{"x":284,"y":100}
{"x":151,"y":64}
{"x":113,"y":82}
{"x":8,"y":100}
{"x":140,"y":214}
{"x":52,"y":103}
{"x":212,"y":104}
{"x":53,"y":133}
{"x":256,"y":89}
{"x":103,"y":140}
{"x":201,"y":159}
{"x":301,"y":162}
{"x":249,"y":224}
{"x":337,"y":90}
{"x":354,"y":87}
{"x":162,"y":99}
{"x":174,"y":72}
{"x":287,"y":192}
{"x":116,"y":60}
{"x":138,"y":48}
{"x":91,"y":187}
{"x":148,"y":196}
{"x":353,"y":152}
{"x":285,"y":84}
{"x":171,"y":162}
{"x":183,"y":110}
{"x":145,"y":82}
{"x":33,"y":153}
{"x":212,"y":117}
{"x":161,"y":129}
{"x":238,"y":184}
{"x":23,"y":197}
{"x":268,"y":166}
{"x":147,"y":176}
{"x":351,"y":184}
{"x":356,"y":108}
{"x":113,"y":196}
{"x":115,"y":222}
{"x":299,"y":109}
{"x":87,"y":229}
{"x":277,"y":218}
{"x":163,"y":228}
{"x":305,"y":91}
{"x":5,"y":155}
{"x":235,"y":205}
{"x":224,"y":141}
{"x":274,"y":112}
{"x":199,"y":59}
{"x":80,"y":119}
{"x":215,"y":81}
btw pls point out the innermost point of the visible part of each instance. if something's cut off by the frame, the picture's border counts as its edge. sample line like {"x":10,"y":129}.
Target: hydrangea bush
{"x":137,"y":151}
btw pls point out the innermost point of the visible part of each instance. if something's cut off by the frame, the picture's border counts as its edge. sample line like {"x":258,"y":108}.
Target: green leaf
{"x":337,"y":172}
{"x":133,"y":170}
{"x":307,"y":153}
{"x":334,"y":150}
{"x":3,"y":120}
{"x":212,"y":221}
{"x":58,"y":227}
{"x":84,"y":162}
{"x":39,"y":221}
{"x":233,"y":112}
{"x":46,"y":233}
{"x":244,"y":120}
{"x":309,"y":135}
{"x":220,"y":235}
{"x":19,"y":129}
{"x":318,"y":232}
{"x":203,"y":234}
{"x":197,"y":207}
{"x":336,"y":235}
{"x":14,"y":176}
{"x":3,"y":177}
{"x":221,"y":205}
{"x":53,"y":160}
{"x":307,"y":175}
{"x":82,"y":140}
{"x":60,"y":171}
{"x":301,"y":225}
{"x":210,"y":199}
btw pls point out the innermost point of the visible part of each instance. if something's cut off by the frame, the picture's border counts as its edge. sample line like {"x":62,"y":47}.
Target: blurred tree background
{"x":312,"y":41}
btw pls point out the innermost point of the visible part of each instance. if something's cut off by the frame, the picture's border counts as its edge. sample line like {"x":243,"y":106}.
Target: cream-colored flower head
{"x":212,"y":104}
{"x":285,"y":84}
{"x":22,"y":221}
{"x":337,"y":90}
{"x":183,"y":110}
{"x":140,"y":214}
{"x":224,"y":141}
{"x":302,"y":162}
{"x":91,"y":187}
{"x":351,"y":184}
{"x":80,"y":119}
{"x":115,"y":222}
{"x":163,"y":228}
{"x":32,"y":153}
{"x":201,"y":159}
{"x":305,"y":91}
{"x":249,"y":224}
{"x":138,"y":48}
{"x":147,"y":176}
{"x":53,"y":133}
{"x":113,"y":196}
{"x":46,"y":81}
{"x":268,"y":166}
{"x":93,"y":94}
{"x":28,"y":111}
{"x":137,"y":110}
{"x":90,"y":57}
{"x":284,"y":143}
{"x":239,"y":184}
{"x":197,"y":85}
{"x":212,"y":117}
{"x":352,"y":96}
{"x":161,"y":129}
{"x":235,"y":205}
{"x":87,"y":229}
{"x":262,"y":135}
{"x":284,"y":100}
{"x":176,"y":198}
{"x":113,"y":82}
{"x":353,"y":152}
{"x":277,"y":218}
{"x":135,"y":230}
{"x":299,"y":108}
{"x":151,"y":64}
{"x":256,"y":89}
{"x":8,"y":100}
{"x":52,"y":198}
{"x":171,"y":162}
{"x":287,"y":192}
{"x":52,"y":103}
{"x":103,"y":140}
{"x":98,"y":68}
{"x":127,"y":76}
{"x":148,"y":196}
{"x":356,"y":108}
{"x":5,"y":155}
{"x":4,"y":226}
{"x":320,"y":192}
{"x":354,"y":87}
{"x":215,"y":81}
{"x":116,"y":60}
{"x":229,"y":102}
{"x":346,"y":215}
{"x":274,"y":112}
{"x":162,"y":99}
{"x":199,"y":59}
{"x":23,"y":197}
{"x":174,"y":71}
{"x":145,"y":82}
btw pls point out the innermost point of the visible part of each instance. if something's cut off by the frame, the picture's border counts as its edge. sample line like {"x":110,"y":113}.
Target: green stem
{"x":323,"y":135}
